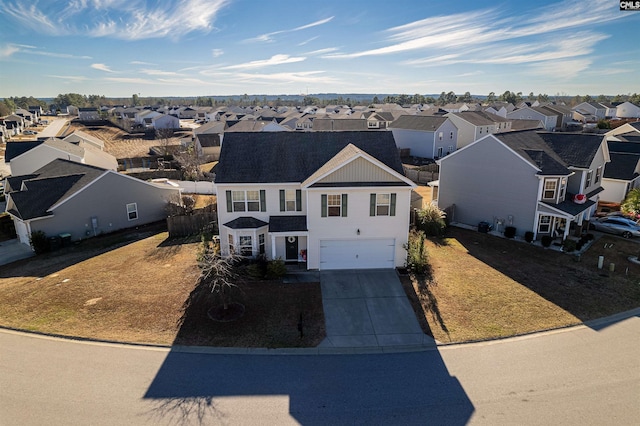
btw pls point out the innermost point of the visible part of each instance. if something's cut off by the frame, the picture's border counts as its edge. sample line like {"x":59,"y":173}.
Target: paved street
{"x":580,"y":376}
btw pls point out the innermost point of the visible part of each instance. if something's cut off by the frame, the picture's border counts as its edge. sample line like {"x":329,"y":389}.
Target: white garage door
{"x":357,"y":254}
{"x":22,"y":231}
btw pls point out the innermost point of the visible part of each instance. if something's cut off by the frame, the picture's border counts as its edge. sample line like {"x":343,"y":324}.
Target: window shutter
{"x":344,"y":205}
{"x":298,"y":200}
{"x":372,"y":205}
{"x":323,"y":205}
{"x":282,"y":208}
{"x":229,"y":202}
{"x":263,"y":200}
{"x":392,"y":207}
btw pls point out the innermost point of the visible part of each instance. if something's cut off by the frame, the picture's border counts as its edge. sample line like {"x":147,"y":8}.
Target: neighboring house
{"x":78,"y":136}
{"x":207,"y":145}
{"x":335,"y":200}
{"x":622,"y":174}
{"x":565,"y":115}
{"x":473,"y":125}
{"x":43,"y":153}
{"x":526,"y":180}
{"x":14,"y":124}
{"x":627,"y":110}
{"x":610,"y":109}
{"x":425,"y":136}
{"x":589,"y":112}
{"x":627,"y":130}
{"x":164,"y":121}
{"x":341,"y":125}
{"x":549,"y":119}
{"x":65,"y":197}
{"x":88,"y":114}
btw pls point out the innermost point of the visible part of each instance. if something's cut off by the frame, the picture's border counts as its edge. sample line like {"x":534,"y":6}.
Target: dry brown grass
{"x":485,"y":287}
{"x":135,"y":287}
{"x":132,"y":292}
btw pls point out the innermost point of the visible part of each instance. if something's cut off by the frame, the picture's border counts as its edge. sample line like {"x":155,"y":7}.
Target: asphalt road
{"x":580,"y":376}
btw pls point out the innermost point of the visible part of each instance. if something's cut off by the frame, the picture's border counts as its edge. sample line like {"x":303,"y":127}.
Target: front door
{"x":291,"y":248}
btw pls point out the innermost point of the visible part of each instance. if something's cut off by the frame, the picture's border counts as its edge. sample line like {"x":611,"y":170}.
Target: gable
{"x":359,"y":170}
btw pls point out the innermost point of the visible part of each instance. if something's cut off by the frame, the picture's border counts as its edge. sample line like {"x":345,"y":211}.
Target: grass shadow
{"x":573,"y":283}
{"x":79,"y":251}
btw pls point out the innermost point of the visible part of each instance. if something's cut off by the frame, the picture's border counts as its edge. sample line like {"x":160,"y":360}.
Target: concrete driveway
{"x":368,"y":308}
{"x":13,"y":250}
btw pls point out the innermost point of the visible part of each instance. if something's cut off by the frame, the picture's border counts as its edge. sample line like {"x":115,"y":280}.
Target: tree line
{"x":60,"y":102}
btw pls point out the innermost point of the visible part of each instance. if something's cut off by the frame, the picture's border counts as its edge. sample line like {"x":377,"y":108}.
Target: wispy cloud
{"x":141,"y":63}
{"x":101,"y":67}
{"x":157,"y":72}
{"x":274,"y":60}
{"x":72,"y":78}
{"x":322,"y":51}
{"x":217,"y":52}
{"x":268,"y":37}
{"x":311,"y":77}
{"x":11,"y":49}
{"x":129,"y":20}
{"x":302,"y":43}
{"x":129,"y":80}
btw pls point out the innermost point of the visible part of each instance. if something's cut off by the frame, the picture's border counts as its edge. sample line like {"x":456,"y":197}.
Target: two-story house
{"x":474,"y":125}
{"x":335,"y":200}
{"x":534,"y":181}
{"x":589,"y":112}
{"x":549,"y":119}
{"x":426,"y":136}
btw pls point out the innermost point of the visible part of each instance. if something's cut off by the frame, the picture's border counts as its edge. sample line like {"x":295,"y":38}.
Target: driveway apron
{"x":368,"y":308}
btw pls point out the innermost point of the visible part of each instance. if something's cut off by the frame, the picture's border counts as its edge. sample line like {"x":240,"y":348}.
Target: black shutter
{"x":298,"y":200}
{"x":282,"y":201}
{"x":229,"y":202}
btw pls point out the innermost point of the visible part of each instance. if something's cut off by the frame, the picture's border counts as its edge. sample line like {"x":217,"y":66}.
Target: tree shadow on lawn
{"x":574,"y":283}
{"x":424,"y":302}
{"x":276,"y":315}
{"x":50,"y":262}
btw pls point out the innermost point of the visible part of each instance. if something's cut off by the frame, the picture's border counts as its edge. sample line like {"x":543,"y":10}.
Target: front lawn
{"x":483,"y":287}
{"x":132,"y":287}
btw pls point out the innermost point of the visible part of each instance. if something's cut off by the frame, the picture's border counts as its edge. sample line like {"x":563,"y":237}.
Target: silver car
{"x":617,"y":225}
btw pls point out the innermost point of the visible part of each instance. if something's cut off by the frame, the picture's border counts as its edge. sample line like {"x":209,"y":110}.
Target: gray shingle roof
{"x":622,"y":166}
{"x":209,"y":139}
{"x":287,"y":223}
{"x":52,"y":183}
{"x":270,"y":157}
{"x":340,"y":124}
{"x":14,"y":149}
{"x":565,"y":149}
{"x":426,"y":123}
{"x":480,"y":118}
{"x":245,"y":222}
{"x":570,"y":207}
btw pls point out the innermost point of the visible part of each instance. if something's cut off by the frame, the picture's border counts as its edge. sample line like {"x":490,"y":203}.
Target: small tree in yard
{"x":219,"y":275}
{"x":417,"y":261}
{"x":164,"y":135}
{"x":431,"y":220}
{"x":631,"y":204}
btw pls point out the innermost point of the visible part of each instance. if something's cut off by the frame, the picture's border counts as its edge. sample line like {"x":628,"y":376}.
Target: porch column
{"x":579,"y":227}
{"x":273,"y":247}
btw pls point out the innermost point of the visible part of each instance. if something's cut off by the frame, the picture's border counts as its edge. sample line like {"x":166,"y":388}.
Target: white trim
{"x":345,"y":188}
{"x":361,"y":154}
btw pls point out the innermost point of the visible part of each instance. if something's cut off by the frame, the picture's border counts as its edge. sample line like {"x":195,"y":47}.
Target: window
{"x":245,"y":245}
{"x":231,"y":247}
{"x":253,"y":201}
{"x":246,"y":201}
{"x":451,"y":135}
{"x":440,"y":135}
{"x":238,"y":201}
{"x":290,"y":200}
{"x":439,"y":152}
{"x":563,"y":188}
{"x":333,"y":205}
{"x":544,"y":226}
{"x":382,"y":205}
{"x":261,"y":243}
{"x":550,"y":186}
{"x":132,"y":211}
{"x":598,"y":174}
{"x":587,"y":182}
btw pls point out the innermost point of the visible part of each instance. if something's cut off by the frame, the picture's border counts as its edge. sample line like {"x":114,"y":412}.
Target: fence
{"x":422,"y":176}
{"x":183,"y":226}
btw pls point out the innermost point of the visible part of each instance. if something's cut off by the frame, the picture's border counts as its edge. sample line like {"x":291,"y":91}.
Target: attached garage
{"x":357,"y":254}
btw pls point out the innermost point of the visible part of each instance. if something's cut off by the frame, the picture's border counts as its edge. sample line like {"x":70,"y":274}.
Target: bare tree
{"x":218,"y":273}
{"x":164,"y":135}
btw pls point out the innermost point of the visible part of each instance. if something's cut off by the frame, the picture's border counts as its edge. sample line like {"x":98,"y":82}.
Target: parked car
{"x":29,"y":132}
{"x":617,"y":225}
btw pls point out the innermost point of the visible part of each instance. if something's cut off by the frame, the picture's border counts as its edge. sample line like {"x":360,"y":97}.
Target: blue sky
{"x":222,"y":47}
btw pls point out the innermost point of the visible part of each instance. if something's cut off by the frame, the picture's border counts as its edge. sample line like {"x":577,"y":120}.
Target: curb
{"x":208,"y":350}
